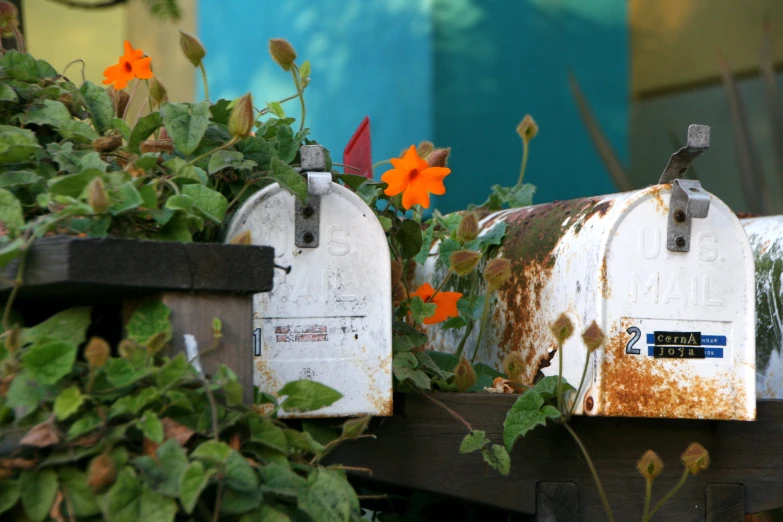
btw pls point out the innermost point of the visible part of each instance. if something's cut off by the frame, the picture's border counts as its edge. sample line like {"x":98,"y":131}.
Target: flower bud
{"x":96,"y":196}
{"x":282,"y":52}
{"x":695,"y":458}
{"x":119,"y":99}
{"x":101,"y":473}
{"x":97,"y":352}
{"x":242,"y":118}
{"x":563,"y":328}
{"x":126,"y":348}
{"x":192,"y":48}
{"x":465,"y":375}
{"x":468,"y":228}
{"x":424,"y":149}
{"x":593,"y":337}
{"x":158,"y":91}
{"x":514,"y":366}
{"x":107,"y":143}
{"x":244,"y":238}
{"x":464,"y":262}
{"x":650,"y":465}
{"x":439,"y":157}
{"x":497,"y":272}
{"x":527,"y":128}
{"x":9,"y":19}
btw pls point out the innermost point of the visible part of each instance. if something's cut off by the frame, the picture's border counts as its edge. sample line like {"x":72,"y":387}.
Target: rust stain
{"x":603,"y":280}
{"x":655,"y":192}
{"x":640,"y":386}
{"x":746,"y":215}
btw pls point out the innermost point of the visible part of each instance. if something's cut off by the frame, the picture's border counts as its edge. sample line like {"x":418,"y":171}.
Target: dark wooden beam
{"x":419,"y":448}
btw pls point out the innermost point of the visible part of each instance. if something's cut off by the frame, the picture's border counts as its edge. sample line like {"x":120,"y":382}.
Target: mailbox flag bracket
{"x":688,"y":200}
{"x":680,"y":161}
{"x":307,"y":219}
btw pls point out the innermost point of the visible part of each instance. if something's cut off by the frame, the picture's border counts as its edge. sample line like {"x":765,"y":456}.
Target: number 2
{"x":636,"y":333}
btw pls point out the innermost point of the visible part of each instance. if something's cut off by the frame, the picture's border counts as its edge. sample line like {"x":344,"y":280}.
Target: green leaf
{"x":19,"y":178}
{"x":223,"y":159}
{"x":209,"y":203}
{"x":7,"y":93}
{"x":10,"y":211}
{"x":123,"y":497}
{"x":239,"y":476}
{"x":352,"y":428}
{"x":10,"y":251}
{"x":426,"y":245}
{"x":72,"y":184}
{"x":426,"y":362}
{"x":99,"y":105}
{"x":386,"y":223}
{"x":164,"y":472}
{"x":266,"y":513}
{"x":78,"y":131}
{"x":328,"y":497}
{"x":493,"y":237}
{"x":150,"y":319}
{"x":445,"y":361}
{"x":498,"y":458}
{"x":276,"y":109}
{"x":194,"y":479}
{"x":352,"y":181}
{"x":52,"y":113}
{"x":154,"y":507}
{"x":121,"y":373}
{"x":282,"y":479}
{"x":471,"y":311}
{"x":405,"y":337}
{"x":21,"y":62}
{"x":237,"y":503}
{"x":173,"y":371}
{"x":16,"y":145}
{"x":369,"y":192}
{"x":447,"y":247}
{"x":23,"y":395}
{"x":525,"y":415}
{"x":475,"y":440}
{"x":289,"y":179}
{"x":421,"y":310}
{"x":149,"y":197}
{"x":409,"y":238}
{"x":151,"y":426}
{"x":119,"y":124}
{"x":259,"y":150}
{"x":186,"y":125}
{"x":266,"y":432}
{"x":9,"y":494}
{"x":83,"y":425}
{"x":142,"y":130}
{"x":304,"y":69}
{"x":455,"y":323}
{"x":302,"y":440}
{"x":305,"y":395}
{"x":38,"y":491}
{"x":179,"y":202}
{"x":404,"y":368}
{"x":68,"y":402}
{"x":212,"y":451}
{"x":78,"y":493}
{"x":287,"y":146}
{"x":49,"y":362}
{"x":68,"y":326}
{"x":220,"y":111}
{"x":233,"y":393}
{"x":547,"y":387}
{"x":127,"y":198}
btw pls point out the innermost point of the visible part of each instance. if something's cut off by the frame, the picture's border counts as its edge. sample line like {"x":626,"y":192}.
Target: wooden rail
{"x":419,"y":448}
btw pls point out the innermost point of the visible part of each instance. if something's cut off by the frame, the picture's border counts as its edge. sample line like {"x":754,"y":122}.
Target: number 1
{"x":636,"y":333}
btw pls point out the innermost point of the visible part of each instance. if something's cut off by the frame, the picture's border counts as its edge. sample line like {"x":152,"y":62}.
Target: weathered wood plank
{"x":418,"y":448}
{"x":557,"y":502}
{"x":725,"y":503}
{"x":60,"y":266}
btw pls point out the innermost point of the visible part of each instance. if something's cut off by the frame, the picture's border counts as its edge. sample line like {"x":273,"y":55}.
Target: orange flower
{"x":445,"y":303}
{"x":131,"y":65}
{"x":415,"y":179}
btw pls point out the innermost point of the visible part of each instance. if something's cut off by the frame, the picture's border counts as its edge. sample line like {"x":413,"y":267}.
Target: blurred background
{"x":612,"y":84}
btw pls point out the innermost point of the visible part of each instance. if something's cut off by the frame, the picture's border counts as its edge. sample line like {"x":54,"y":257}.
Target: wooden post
{"x":725,"y":503}
{"x":557,"y":502}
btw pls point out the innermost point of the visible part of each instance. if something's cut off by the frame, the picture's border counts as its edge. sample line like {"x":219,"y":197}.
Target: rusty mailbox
{"x":329,"y":318}
{"x":667,"y":272}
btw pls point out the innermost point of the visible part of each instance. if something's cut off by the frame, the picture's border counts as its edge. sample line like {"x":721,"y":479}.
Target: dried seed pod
{"x":527,"y":128}
{"x":650,"y":465}
{"x":242,"y":118}
{"x":97,"y":352}
{"x":469,"y":227}
{"x":497,"y":272}
{"x":192,"y":48}
{"x":465,"y":375}
{"x":282,"y":52}
{"x":695,"y":458}
{"x":593,"y":337}
{"x":463,"y":262}
{"x":562,"y":328}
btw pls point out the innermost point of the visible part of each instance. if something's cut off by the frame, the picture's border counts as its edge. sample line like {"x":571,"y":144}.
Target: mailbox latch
{"x":307,"y":220}
{"x":688,"y":199}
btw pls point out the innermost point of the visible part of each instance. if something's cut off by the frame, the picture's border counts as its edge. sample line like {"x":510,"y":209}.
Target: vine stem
{"x":590,"y":465}
{"x":239,"y":195}
{"x":647,"y":496}
{"x":130,"y":98}
{"x":669,"y":494}
{"x":440,"y":287}
{"x":204,"y":79}
{"x":560,"y":377}
{"x":453,"y":413}
{"x":525,"y":148}
{"x":218,"y":500}
{"x":469,"y":329}
{"x":221,"y":147}
{"x":295,"y":74}
{"x":18,"y":281}
{"x":581,"y":383}
{"x":481,"y":326}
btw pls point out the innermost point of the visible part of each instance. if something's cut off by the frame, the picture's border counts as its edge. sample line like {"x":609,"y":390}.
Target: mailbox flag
{"x":358,"y":152}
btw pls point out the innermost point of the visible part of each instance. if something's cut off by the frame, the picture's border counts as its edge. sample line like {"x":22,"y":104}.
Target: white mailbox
{"x":329,"y":318}
{"x":667,"y":272}
{"x":766,"y":238}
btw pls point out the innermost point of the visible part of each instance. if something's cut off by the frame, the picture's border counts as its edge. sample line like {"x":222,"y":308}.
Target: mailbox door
{"x":329,"y":319}
{"x":680,"y":325}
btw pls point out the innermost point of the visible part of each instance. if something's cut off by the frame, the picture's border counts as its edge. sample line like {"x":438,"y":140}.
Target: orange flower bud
{"x":439,"y":157}
{"x":563,"y":328}
{"x":527,"y":128}
{"x":96,"y":196}
{"x":158,"y":91}
{"x":282,"y":52}
{"x":97,"y":352}
{"x":465,"y":375}
{"x":514,"y":365}
{"x":650,"y":465}
{"x":424,"y":149}
{"x":192,"y":48}
{"x":593,"y":337}
{"x":695,"y":458}
{"x":464,"y":262}
{"x":497,"y":272}
{"x":468,"y":228}
{"x":242,"y":118}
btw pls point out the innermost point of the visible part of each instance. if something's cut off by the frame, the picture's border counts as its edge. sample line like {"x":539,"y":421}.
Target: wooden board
{"x":419,"y":448}
{"x":106,"y":266}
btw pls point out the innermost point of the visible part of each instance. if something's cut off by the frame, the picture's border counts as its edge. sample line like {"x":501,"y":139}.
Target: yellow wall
{"x":61,"y":34}
{"x":674,"y":42}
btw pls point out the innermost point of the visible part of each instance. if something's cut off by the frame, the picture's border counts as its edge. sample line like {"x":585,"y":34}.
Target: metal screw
{"x":679,"y":216}
{"x":308,"y":211}
{"x":589,"y":404}
{"x":679,"y":241}
{"x":308,"y":237}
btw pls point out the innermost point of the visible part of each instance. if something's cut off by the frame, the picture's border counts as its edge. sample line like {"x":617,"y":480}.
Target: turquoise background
{"x":462,"y":73}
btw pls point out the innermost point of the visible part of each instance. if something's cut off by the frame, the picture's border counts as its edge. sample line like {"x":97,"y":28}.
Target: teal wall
{"x":460,"y":72}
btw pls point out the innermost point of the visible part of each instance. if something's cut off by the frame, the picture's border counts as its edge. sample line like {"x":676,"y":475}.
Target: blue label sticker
{"x":706,"y":340}
{"x":684,"y":352}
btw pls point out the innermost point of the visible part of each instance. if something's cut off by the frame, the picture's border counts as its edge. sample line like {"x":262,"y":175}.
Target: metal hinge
{"x":688,"y":199}
{"x":307,"y":219}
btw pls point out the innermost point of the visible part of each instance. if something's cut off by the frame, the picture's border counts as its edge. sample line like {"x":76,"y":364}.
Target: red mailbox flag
{"x":358,"y":152}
